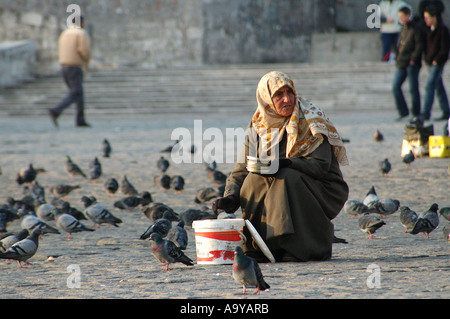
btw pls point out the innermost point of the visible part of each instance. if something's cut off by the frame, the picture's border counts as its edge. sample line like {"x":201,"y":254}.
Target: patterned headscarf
{"x":306,"y":126}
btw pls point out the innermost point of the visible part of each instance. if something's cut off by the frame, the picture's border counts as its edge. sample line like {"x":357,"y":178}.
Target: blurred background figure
{"x":74,"y":50}
{"x":408,"y":63}
{"x":437,"y":48}
{"x":390,"y":26}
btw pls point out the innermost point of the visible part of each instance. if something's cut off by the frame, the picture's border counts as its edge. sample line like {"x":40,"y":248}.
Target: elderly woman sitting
{"x":290,"y":204}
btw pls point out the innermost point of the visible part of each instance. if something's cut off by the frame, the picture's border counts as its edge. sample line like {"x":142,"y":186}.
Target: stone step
{"x":123,"y":91}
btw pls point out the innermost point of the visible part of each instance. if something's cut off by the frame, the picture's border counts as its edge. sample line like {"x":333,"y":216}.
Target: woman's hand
{"x":229,"y":204}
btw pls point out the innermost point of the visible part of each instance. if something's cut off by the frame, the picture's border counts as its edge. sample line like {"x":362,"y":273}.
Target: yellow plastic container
{"x":439,"y":146}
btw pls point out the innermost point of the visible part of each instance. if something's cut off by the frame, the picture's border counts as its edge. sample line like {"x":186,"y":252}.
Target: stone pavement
{"x":114,"y":263}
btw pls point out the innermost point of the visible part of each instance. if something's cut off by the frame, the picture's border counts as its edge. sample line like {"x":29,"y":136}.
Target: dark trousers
{"x":73,"y":76}
{"x":388,"y":40}
{"x":412,"y":73}
{"x":435,"y":84}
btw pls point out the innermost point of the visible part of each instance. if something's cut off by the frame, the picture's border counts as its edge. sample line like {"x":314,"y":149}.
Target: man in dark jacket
{"x":437,"y":48}
{"x":408,"y":62}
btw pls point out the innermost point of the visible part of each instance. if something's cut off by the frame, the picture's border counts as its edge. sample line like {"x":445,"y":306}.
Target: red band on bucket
{"x":228,"y":235}
{"x":225,"y":254}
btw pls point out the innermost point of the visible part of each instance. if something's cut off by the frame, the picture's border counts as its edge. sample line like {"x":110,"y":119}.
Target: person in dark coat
{"x":408,"y":63}
{"x":292,"y":201}
{"x":437,"y":48}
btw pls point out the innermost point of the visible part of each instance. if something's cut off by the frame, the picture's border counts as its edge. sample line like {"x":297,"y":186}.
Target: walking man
{"x":74,"y":54}
{"x":408,"y":63}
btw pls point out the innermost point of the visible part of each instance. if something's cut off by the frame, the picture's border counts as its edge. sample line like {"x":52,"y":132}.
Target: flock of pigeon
{"x":38,"y":216}
{"x":372,"y":209}
{"x":168,"y":241}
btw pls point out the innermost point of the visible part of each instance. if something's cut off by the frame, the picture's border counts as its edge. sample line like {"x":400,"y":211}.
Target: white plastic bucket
{"x":216,"y":240}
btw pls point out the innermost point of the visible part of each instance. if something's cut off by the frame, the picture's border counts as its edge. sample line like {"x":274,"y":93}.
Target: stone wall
{"x":140,"y":33}
{"x":153,"y":33}
{"x":159,"y":33}
{"x":17,"y":62}
{"x":248,"y":31}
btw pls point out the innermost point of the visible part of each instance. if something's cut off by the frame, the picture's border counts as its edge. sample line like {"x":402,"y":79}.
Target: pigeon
{"x":169,"y":148}
{"x":111,"y":186}
{"x":133,"y":201}
{"x":160,"y":226}
{"x":167,"y":252}
{"x":177,"y":183}
{"x":191,"y":215}
{"x":155,"y":211}
{"x":246,"y":272}
{"x":211,"y":167}
{"x":354,"y":207}
{"x":162,"y":181}
{"x":445,"y":212}
{"x":44,"y":212}
{"x":95,"y":169}
{"x":127,"y":188}
{"x":9,"y":239}
{"x":218,"y":177}
{"x":106,"y":148}
{"x":67,"y":209}
{"x":370,"y":224}
{"x":162,"y":164}
{"x":63,"y":190}
{"x":146,"y":198}
{"x":32,"y":222}
{"x":57,"y":202}
{"x":19,"y":204}
{"x":26,"y":175}
{"x":385,"y":167}
{"x":408,"y":218}
{"x":7,"y":214}
{"x":386,"y":206}
{"x":68,"y":223}
{"x":73,"y":169}
{"x":178,"y":235}
{"x":427,"y":221}
{"x":206,"y":194}
{"x":27,"y":202}
{"x":97,"y":213}
{"x":409,"y":158}
{"x":128,"y":202}
{"x":446,"y":232}
{"x":37,"y":191}
{"x":371,"y":198}
{"x":24,"y":249}
{"x":378,"y":136}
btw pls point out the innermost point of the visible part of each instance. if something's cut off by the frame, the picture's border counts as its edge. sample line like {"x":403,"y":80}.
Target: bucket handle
{"x":241,"y":234}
